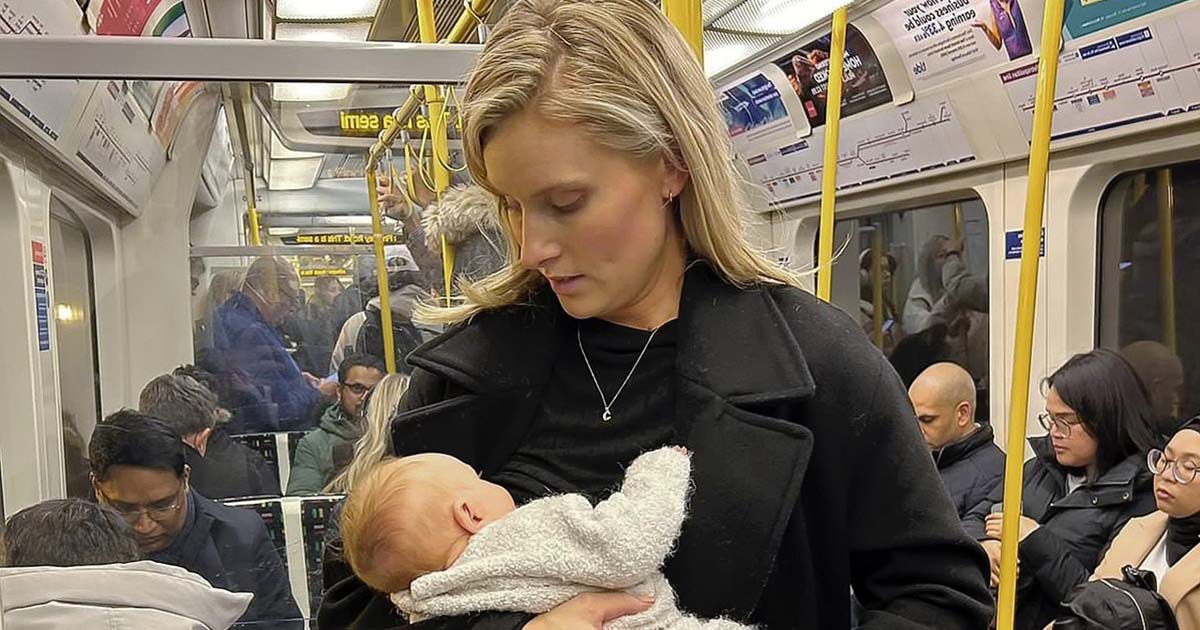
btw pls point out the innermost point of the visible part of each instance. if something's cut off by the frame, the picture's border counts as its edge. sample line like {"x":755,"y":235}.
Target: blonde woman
{"x":633,"y":313}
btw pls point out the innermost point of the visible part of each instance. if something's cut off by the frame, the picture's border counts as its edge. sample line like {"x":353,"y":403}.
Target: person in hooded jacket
{"x":1087,"y":479}
{"x":75,"y":563}
{"x":634,"y":313}
{"x":970,"y":463}
{"x":327,"y":449}
{"x":466,"y":217}
{"x":363,"y":332}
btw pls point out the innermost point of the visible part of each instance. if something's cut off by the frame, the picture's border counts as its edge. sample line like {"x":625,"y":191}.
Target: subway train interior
{"x":154,"y":154}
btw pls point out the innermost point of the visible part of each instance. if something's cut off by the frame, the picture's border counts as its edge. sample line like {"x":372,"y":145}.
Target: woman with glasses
{"x":1088,"y":477}
{"x":1167,"y":542}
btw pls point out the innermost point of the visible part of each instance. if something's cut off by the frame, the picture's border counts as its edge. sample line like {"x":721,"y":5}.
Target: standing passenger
{"x":971,"y":464}
{"x":1087,"y":479}
{"x":138,"y":470}
{"x":246,"y":334}
{"x":634,"y":314}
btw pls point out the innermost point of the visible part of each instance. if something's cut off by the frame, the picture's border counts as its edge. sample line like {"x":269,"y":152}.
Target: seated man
{"x":969,"y":461}
{"x":246,"y":336}
{"x":139,"y":469}
{"x":327,"y":449}
{"x":221,"y":467}
{"x":445,"y":542}
{"x":73,"y":563}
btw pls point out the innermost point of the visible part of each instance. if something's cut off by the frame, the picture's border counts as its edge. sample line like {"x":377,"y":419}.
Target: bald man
{"x":250,"y":349}
{"x":968,"y":459}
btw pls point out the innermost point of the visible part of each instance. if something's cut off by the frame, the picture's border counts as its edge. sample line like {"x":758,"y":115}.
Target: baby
{"x":445,"y":542}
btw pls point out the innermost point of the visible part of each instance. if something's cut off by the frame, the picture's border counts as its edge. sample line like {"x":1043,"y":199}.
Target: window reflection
{"x":917,"y":282}
{"x":1149,"y":266}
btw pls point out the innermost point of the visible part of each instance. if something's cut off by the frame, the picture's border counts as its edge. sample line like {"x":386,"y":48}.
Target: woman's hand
{"x":993,"y":526}
{"x":589,"y":611}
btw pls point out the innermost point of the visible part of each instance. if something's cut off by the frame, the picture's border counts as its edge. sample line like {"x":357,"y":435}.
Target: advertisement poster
{"x":47,"y":104}
{"x":147,"y":18}
{"x":938,"y":37}
{"x":171,"y":109}
{"x":1084,"y":17}
{"x":750,"y":104}
{"x":807,"y":69}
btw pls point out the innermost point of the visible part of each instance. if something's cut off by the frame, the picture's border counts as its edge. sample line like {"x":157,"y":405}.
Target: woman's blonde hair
{"x":376,"y":443}
{"x":619,"y":71}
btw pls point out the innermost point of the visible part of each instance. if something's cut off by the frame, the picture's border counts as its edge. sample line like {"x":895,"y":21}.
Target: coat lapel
{"x":735,"y":386}
{"x":1182,"y":579}
{"x":738,"y":392}
{"x":1133,"y":544}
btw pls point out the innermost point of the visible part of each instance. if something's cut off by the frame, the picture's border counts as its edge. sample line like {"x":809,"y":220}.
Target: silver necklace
{"x":609,"y":403}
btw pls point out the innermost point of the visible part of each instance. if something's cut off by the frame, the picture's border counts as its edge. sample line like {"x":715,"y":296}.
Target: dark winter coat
{"x":230,"y":548}
{"x":971,"y":468}
{"x":810,"y":473}
{"x":229,"y":469}
{"x":1074,"y":530}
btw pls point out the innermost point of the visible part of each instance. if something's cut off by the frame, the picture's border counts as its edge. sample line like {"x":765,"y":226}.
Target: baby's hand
{"x":680,"y":449}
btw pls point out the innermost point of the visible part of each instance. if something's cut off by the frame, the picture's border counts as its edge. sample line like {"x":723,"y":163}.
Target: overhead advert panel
{"x":51,"y":106}
{"x":807,"y":72}
{"x":948,"y":37}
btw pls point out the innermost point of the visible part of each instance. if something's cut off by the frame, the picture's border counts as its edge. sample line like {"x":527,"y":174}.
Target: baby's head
{"x":413,"y":516}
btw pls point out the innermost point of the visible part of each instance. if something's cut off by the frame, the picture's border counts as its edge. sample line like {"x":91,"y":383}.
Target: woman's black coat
{"x":1074,"y":530}
{"x":810,"y":473}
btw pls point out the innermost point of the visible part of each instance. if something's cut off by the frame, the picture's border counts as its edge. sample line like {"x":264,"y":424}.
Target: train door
{"x":78,"y":370}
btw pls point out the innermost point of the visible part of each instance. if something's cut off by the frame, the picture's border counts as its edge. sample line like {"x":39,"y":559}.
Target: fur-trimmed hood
{"x":465,"y":210}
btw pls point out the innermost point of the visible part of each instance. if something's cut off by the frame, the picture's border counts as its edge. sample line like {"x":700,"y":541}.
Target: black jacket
{"x":1074,"y":530}
{"x":229,"y":469}
{"x":971,"y":468}
{"x":809,"y":470}
{"x":230,"y":548}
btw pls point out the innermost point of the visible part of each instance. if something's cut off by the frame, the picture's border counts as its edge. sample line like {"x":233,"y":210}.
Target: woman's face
{"x":1177,"y":499}
{"x":1076,"y":450}
{"x":595,"y":223}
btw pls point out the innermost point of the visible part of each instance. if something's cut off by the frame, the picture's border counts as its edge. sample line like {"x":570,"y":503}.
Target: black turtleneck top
{"x":571,"y":449}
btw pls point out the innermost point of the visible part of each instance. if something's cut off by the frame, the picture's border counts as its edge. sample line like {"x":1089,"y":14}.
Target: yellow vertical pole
{"x":1166,"y":231}
{"x":1035,"y":201}
{"x":252,"y":208}
{"x":688,"y":17}
{"x":385,"y":305}
{"x":437,"y":131}
{"x":877,"y":285}
{"x":833,"y":123}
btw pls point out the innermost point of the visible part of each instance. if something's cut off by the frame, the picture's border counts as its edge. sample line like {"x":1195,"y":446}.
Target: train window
{"x":75,"y":337}
{"x":1149,"y":268}
{"x":923,"y":299}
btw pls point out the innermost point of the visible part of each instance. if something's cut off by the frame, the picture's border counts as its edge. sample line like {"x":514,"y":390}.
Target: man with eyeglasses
{"x":316,"y":462}
{"x":139,"y":470}
{"x":247,"y":338}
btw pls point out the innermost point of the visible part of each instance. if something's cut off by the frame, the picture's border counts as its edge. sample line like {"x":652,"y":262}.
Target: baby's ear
{"x":467,"y":517}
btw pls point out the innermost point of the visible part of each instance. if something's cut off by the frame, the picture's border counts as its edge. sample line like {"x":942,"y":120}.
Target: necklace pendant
{"x":607,"y":416}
